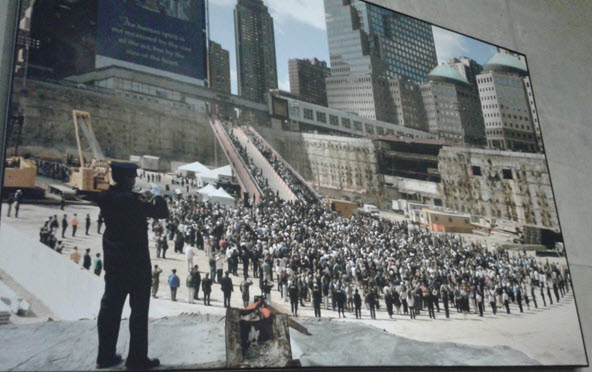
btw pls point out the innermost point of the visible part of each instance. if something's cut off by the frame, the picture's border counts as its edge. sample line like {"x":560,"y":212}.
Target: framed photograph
{"x":274,"y":184}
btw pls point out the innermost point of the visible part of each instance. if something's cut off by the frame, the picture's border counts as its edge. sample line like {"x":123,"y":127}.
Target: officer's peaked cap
{"x":121,"y":169}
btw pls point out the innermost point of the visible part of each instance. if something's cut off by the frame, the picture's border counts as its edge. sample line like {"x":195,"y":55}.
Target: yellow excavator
{"x":93,"y":175}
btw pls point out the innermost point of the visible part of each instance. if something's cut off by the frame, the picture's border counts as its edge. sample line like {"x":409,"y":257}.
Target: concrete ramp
{"x":245,"y":179}
{"x":252,"y":132}
{"x":276,"y":184}
{"x":69,"y":291}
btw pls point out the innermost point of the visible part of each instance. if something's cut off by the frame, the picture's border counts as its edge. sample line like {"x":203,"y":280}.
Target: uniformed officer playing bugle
{"x":127,"y":267}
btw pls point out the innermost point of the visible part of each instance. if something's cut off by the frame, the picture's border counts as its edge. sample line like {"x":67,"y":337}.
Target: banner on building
{"x":167,"y":35}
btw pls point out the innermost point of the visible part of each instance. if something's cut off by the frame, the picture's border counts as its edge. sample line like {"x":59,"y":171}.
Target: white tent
{"x":225,"y":171}
{"x":208,"y":177}
{"x":206,"y":191}
{"x":221,"y":197}
{"x":195,"y":168}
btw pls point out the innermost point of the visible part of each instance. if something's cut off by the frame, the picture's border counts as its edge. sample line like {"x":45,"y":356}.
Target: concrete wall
{"x":68,"y":290}
{"x":329,"y":162}
{"x":524,"y":196}
{"x":125,"y":123}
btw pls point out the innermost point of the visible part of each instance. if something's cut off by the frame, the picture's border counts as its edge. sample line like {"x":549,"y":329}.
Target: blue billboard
{"x":167,"y":35}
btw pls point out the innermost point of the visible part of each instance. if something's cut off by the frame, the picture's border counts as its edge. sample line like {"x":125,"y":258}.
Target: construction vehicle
{"x":19,"y":173}
{"x":93,"y":175}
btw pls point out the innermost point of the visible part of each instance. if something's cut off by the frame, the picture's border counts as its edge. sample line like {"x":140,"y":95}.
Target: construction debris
{"x":258,"y":336}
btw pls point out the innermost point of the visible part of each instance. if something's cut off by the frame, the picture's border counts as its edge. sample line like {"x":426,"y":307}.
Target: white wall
{"x":67,"y":289}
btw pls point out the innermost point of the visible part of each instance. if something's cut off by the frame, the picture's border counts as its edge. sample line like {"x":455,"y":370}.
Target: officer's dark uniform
{"x":127,"y":266}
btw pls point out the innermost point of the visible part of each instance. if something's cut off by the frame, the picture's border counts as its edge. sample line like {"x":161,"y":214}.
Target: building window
{"x":449,"y":219}
{"x":369,"y":129}
{"x":346,"y":123}
{"x":358,"y":126}
{"x":476,"y":170}
{"x":307,"y":114}
{"x":294,"y":111}
{"x":333,"y":120}
{"x":321,"y":117}
{"x":507,"y":174}
{"x":467,"y":222}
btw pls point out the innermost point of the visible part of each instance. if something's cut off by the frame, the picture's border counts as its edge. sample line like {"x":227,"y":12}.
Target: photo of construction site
{"x":274,"y":184}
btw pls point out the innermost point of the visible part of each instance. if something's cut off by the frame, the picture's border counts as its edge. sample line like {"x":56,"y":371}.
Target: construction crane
{"x":93,"y":174}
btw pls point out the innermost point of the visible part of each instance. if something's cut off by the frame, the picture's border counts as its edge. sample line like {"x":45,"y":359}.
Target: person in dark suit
{"x":64,"y":225}
{"x":371,"y":301}
{"x":317,"y":298}
{"x":358,"y":304}
{"x":293,"y":295}
{"x":206,"y":286}
{"x":197,"y":277}
{"x":87,"y":223}
{"x":227,"y":288}
{"x":127,"y":267}
{"x":87,"y":261}
{"x":444,"y":294}
{"x":519,"y":299}
{"x":100,"y":221}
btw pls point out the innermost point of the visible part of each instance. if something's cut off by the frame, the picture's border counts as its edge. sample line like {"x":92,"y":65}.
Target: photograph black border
{"x":11,"y":43}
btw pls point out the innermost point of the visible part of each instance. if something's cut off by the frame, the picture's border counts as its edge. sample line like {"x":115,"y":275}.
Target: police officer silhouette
{"x":127,"y":267}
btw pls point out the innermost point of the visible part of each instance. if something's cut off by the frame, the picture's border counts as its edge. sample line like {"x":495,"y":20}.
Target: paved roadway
{"x":550,"y":335}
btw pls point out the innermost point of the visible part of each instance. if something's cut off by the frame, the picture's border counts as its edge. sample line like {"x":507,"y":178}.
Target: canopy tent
{"x":206,"y":191}
{"x":225,"y":171}
{"x":195,"y":168}
{"x":222,"y":197}
{"x":208,"y":177}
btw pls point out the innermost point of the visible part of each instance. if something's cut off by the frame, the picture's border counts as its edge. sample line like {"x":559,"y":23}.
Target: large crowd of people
{"x":257,"y":173}
{"x":313,"y":256}
{"x":298,"y":187}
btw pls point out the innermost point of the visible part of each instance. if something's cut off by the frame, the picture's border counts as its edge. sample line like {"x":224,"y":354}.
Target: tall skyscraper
{"x":509,"y":123}
{"x":255,"y":50}
{"x":530,"y":97}
{"x":452,"y":107}
{"x":219,"y":68}
{"x":368,"y":45}
{"x":467,"y":68}
{"x":408,"y":103}
{"x":307,"y":80}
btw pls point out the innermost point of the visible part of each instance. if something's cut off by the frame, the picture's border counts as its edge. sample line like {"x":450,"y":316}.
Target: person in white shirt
{"x":189,"y":253}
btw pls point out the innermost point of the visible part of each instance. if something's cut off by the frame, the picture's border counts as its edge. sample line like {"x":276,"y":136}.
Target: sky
{"x":300,"y":32}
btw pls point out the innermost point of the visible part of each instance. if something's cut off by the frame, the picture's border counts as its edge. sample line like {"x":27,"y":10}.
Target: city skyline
{"x":296,"y":23}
